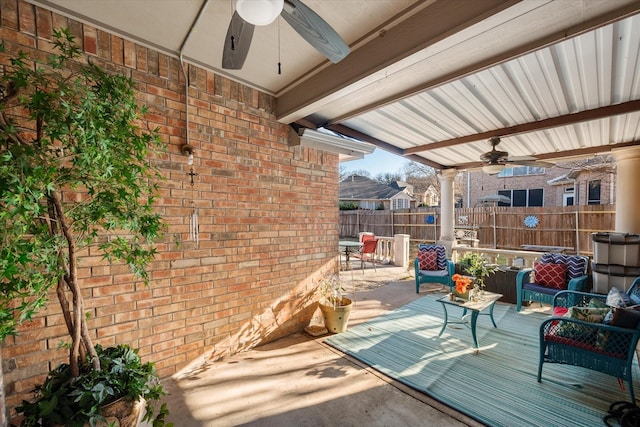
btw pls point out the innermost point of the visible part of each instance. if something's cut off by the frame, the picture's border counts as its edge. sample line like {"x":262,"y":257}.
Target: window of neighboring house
{"x":531,"y":197}
{"x":400,"y":204}
{"x":368,"y":204}
{"x":521,"y":171}
{"x":593,"y":192}
{"x":568,"y":197}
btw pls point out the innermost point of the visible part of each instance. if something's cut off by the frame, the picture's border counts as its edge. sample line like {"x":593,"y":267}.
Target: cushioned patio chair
{"x":597,"y":332}
{"x":432,"y":266}
{"x":552,"y":274}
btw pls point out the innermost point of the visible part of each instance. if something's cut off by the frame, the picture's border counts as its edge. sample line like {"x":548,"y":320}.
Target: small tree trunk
{"x":76,"y":322}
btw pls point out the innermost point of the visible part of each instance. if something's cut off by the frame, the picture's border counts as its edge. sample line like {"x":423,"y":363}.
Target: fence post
{"x":401,"y":250}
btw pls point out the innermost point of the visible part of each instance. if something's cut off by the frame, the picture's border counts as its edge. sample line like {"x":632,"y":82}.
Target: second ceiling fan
{"x":315,"y":30}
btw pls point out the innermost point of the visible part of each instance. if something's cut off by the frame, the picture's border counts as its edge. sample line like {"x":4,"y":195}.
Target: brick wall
{"x":267,"y":212}
{"x":480,"y":184}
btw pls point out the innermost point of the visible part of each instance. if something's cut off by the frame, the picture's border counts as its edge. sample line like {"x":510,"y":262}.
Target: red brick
{"x":9,"y":14}
{"x":43,"y":24}
{"x":26,"y":17}
{"x":90,"y":40}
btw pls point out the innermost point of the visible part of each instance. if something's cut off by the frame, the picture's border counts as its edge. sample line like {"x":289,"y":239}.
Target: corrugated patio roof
{"x":431,"y":80}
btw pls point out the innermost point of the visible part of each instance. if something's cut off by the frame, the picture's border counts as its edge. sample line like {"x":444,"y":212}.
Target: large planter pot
{"x":124,"y":413}
{"x":121,"y":413}
{"x":336,"y":319}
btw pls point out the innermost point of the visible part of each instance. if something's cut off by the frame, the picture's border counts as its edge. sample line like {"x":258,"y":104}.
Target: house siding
{"x":267,"y":213}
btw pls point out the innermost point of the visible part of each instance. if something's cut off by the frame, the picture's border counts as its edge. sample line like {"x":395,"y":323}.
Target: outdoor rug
{"x":497,"y":387}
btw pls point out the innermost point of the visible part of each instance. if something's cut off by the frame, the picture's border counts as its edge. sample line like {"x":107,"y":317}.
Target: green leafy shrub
{"x":348,"y":206}
{"x":66,"y":400}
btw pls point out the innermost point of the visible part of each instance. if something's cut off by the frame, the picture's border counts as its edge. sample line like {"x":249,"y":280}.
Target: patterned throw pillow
{"x":580,"y":332}
{"x":428,"y":260}
{"x":439,"y":249}
{"x":588,"y":314}
{"x":576,"y":264}
{"x":550,"y":275}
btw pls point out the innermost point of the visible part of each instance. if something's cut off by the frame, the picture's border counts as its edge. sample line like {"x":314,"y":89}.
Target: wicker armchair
{"x":577,"y":279}
{"x":440,"y":272}
{"x":601,"y":347}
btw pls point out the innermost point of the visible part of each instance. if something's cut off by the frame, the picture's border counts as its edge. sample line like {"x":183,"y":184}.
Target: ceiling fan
{"x":305,"y":21}
{"x":495,"y":160}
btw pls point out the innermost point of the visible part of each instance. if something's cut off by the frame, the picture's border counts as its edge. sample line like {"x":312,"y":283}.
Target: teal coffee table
{"x":476,"y":308}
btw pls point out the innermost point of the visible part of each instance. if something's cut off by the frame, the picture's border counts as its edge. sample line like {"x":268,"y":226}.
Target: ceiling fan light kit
{"x":259,"y":12}
{"x":493,"y":169}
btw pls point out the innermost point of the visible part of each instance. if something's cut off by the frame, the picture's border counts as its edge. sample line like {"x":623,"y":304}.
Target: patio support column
{"x":447,"y":238}
{"x":627,"y":189}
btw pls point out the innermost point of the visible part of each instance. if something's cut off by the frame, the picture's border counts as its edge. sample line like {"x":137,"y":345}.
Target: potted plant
{"x":97,"y":395}
{"x":335,"y":307}
{"x":75,"y":174}
{"x":476,"y":266}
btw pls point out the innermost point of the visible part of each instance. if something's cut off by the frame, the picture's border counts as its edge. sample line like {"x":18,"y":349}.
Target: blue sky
{"x":376,"y":163}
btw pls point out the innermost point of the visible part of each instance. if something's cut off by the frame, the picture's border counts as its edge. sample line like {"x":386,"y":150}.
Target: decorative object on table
{"x":476,"y":266}
{"x":463,"y":285}
{"x":334,"y":306}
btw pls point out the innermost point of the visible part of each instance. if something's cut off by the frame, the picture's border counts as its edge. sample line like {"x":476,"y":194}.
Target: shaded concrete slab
{"x":300,"y":381}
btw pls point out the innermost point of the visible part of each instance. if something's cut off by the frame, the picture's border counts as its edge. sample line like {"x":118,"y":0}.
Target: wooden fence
{"x":497,"y":227}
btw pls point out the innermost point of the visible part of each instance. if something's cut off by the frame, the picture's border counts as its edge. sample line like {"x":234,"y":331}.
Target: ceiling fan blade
{"x":237,"y":43}
{"x":315,"y":30}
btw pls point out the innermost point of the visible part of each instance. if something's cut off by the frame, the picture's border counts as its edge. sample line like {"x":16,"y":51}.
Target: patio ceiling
{"x":429,"y":80}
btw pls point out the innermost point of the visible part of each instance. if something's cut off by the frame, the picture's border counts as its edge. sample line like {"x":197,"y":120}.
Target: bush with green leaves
{"x":348,"y":206}
{"x":65,"y":400}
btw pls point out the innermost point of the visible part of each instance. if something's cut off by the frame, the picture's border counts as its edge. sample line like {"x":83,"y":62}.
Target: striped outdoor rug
{"x":498,"y":386}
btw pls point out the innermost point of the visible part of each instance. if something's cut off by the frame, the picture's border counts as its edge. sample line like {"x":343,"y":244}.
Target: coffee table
{"x":487,"y":301}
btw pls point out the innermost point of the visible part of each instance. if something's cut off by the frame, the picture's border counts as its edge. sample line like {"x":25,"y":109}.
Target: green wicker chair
{"x":445,"y":268}
{"x":600,"y":347}
{"x":578,"y":279}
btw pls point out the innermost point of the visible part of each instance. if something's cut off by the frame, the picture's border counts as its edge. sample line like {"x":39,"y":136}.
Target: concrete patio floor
{"x":300,"y":381}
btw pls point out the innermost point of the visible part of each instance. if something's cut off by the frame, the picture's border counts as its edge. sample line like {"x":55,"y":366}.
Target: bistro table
{"x":349,"y":247}
{"x":488,"y":300}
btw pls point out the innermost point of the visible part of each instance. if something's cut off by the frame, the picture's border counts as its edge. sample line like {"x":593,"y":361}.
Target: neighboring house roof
{"x":404,"y":186}
{"x":356,"y":187}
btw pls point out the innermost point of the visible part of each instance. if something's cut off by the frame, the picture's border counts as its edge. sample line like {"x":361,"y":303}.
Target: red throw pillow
{"x":560,"y":311}
{"x":428,"y":260}
{"x":550,"y":275}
